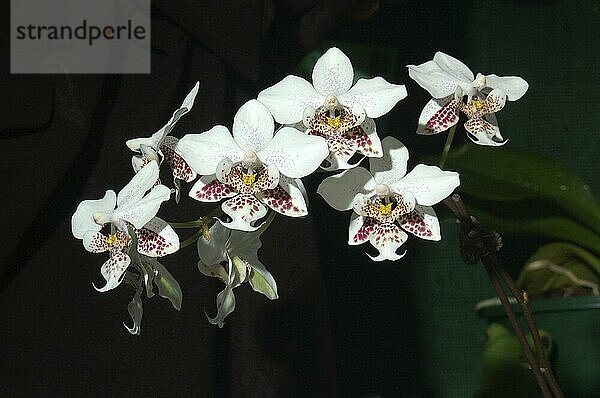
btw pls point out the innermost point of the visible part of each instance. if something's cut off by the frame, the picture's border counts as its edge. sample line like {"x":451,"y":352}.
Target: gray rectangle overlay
{"x":80,"y":36}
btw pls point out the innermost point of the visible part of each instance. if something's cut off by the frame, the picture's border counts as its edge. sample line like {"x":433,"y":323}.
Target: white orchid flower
{"x":334,"y":109}
{"x":389,"y":199}
{"x":135,"y":207}
{"x":246,"y":167}
{"x":161,"y":146}
{"x":455,"y":89}
{"x":232,"y":257}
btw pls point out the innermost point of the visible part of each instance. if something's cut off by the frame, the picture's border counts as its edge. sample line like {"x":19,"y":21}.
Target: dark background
{"x":343,"y":326}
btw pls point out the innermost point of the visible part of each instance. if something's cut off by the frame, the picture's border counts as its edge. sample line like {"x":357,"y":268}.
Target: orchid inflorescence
{"x":255,"y":171}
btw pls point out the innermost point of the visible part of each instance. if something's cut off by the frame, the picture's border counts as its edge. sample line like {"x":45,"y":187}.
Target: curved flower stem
{"x":189,"y":224}
{"x":540,"y":365}
{"x":199,"y":222}
{"x":447,"y":146}
{"x":192,"y":238}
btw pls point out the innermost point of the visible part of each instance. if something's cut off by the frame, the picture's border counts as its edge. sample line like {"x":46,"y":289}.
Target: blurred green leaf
{"x":506,"y":373}
{"x":509,"y":176}
{"x":559,"y":267}
{"x":516,"y":218}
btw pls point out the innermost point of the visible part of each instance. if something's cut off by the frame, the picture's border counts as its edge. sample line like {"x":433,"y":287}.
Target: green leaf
{"x":262,"y":281}
{"x":521,"y":219}
{"x":168,"y":287}
{"x":507,"y":175}
{"x":559,"y":267}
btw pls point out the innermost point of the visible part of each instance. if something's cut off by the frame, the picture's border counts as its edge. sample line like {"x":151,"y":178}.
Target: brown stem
{"x":537,"y":373}
{"x":484,"y":249}
{"x":527,"y":314}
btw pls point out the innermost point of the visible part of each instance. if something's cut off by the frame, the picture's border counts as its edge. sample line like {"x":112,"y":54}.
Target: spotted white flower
{"x":333,"y":108}
{"x":161,"y":146}
{"x":455,"y":89}
{"x":253,"y":167}
{"x":389,"y":199}
{"x":135,"y":208}
{"x":232,"y":257}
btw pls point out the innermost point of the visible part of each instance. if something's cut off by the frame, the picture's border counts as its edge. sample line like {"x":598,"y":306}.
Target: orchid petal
{"x":514,"y":87}
{"x":483,"y":130}
{"x":338,"y":160}
{"x":429,"y":184}
{"x":439,"y":114}
{"x":360,"y":229}
{"x":223,"y":170}
{"x":157,"y":238}
{"x":494,"y":102}
{"x":213,"y":270}
{"x":168,"y":287}
{"x":261,"y":279}
{"x":138,"y":186}
{"x":421,"y":222}
{"x":387,"y":238}
{"x":113,"y":270}
{"x":142,"y":211}
{"x":210,"y":189}
{"x":179,"y":167}
{"x":341,"y":190}
{"x":243,"y":210}
{"x":158,"y":137}
{"x":294,"y":153}
{"x":203,"y":152}
{"x":288,"y":99}
{"x":82,"y":220}
{"x":286,"y":198}
{"x":225,"y":299}
{"x":253,"y":126}
{"x":375,"y":95}
{"x":434,"y":79}
{"x":241,"y":270}
{"x":136,"y":311}
{"x":95,"y":242}
{"x":225,"y":306}
{"x":137,"y":162}
{"x":333,"y":73}
{"x":392,"y":167}
{"x":245,"y":244}
{"x":453,"y":66}
{"x":365,"y":139}
{"x":441,"y":76}
{"x":212,"y":248}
